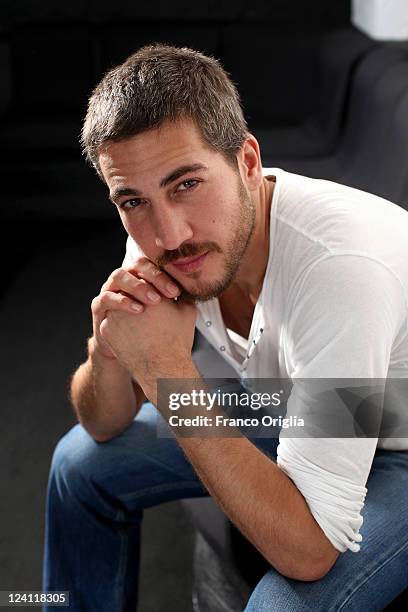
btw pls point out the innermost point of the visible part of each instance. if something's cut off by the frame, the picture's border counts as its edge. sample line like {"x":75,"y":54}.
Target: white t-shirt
{"x":334,"y":304}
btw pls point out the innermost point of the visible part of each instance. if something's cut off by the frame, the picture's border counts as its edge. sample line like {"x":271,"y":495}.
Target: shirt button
{"x":208,"y":323}
{"x":222,"y":348}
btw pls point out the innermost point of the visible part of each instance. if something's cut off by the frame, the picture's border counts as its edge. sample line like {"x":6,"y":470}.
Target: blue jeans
{"x":97,"y":493}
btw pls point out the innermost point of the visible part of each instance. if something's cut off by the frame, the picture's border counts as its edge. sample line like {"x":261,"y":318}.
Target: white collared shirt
{"x":333,"y":305}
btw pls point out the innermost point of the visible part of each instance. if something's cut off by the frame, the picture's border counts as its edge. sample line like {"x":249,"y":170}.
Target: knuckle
{"x":148,"y":266}
{"x":128,"y":278}
{"x":139,"y":282}
{"x":144,"y":270}
{"x":116,"y":274}
{"x":135,"y":264}
{"x":95,"y":304}
{"x":105,"y":299}
{"x":143,"y":266}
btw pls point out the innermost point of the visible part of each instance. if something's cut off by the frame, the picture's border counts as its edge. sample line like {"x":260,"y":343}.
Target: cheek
{"x":125,"y":219}
{"x":214,"y":216}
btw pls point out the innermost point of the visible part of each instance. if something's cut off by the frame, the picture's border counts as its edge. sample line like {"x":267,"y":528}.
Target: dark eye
{"x":130,"y":204}
{"x":187,"y":185}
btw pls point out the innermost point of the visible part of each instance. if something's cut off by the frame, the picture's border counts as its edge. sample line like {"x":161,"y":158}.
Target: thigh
{"x":145,"y":465}
{"x":369,"y":579}
{"x":136,"y":469}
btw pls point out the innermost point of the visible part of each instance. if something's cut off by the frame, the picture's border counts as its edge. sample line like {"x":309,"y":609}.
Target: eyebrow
{"x":172,"y":176}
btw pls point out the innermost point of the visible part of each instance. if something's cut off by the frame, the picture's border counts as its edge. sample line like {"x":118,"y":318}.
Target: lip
{"x":190,"y":264}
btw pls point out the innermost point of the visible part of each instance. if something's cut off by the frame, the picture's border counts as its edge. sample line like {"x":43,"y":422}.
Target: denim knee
{"x":76,"y":460}
{"x":276,"y":592}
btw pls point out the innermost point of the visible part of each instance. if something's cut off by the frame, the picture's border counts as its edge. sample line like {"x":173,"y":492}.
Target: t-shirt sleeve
{"x":345,"y":312}
{"x":133,"y":251}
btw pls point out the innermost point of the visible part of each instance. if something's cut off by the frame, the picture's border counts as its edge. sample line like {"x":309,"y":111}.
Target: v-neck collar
{"x":211,"y":310}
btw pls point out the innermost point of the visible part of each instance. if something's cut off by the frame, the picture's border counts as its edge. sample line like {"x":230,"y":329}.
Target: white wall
{"x":381,"y":19}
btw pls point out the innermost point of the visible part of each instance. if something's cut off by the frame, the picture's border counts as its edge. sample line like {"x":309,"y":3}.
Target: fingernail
{"x":155,"y":297}
{"x":136,"y":307}
{"x":171,"y":288}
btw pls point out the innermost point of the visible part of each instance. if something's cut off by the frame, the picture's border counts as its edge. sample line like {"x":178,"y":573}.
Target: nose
{"x":171,"y":229}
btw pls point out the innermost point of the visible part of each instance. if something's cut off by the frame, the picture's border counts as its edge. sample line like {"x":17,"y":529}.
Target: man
{"x":286,"y":277}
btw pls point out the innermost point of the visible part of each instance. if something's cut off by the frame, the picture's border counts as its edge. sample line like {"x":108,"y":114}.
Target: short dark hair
{"x":161,"y":83}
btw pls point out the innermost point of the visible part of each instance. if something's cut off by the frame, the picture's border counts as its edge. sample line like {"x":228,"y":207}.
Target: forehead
{"x":155,"y":152}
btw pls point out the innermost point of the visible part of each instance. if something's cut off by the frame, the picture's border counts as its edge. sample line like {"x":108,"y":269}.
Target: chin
{"x":203,"y":292}
{"x":207,"y":283}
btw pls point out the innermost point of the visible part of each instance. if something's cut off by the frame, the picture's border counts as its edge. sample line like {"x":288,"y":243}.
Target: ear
{"x":249,"y":162}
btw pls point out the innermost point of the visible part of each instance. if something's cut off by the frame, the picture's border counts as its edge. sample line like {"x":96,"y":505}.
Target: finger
{"x":114,"y":280}
{"x":109,"y":300}
{"x":126,"y":282}
{"x":144,"y":268}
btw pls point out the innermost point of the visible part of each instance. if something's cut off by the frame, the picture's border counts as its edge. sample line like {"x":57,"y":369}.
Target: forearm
{"x":263,"y":503}
{"x":259,"y":498}
{"x":104,"y":398}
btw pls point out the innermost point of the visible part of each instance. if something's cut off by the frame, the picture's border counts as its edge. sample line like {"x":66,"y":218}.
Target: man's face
{"x":179,"y":199}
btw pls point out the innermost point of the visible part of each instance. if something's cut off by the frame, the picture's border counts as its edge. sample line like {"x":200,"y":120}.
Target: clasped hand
{"x":151,"y":337}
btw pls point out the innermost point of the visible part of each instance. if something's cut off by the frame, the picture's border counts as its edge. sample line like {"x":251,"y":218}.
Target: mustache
{"x":186,"y":250}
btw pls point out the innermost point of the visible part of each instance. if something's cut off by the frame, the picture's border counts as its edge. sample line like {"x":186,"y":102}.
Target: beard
{"x":234,"y":251}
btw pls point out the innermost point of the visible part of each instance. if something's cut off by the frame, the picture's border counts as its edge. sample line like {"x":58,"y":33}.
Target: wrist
{"x":174,"y":367}
{"x":96,"y":352}
{"x":178,"y":368}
